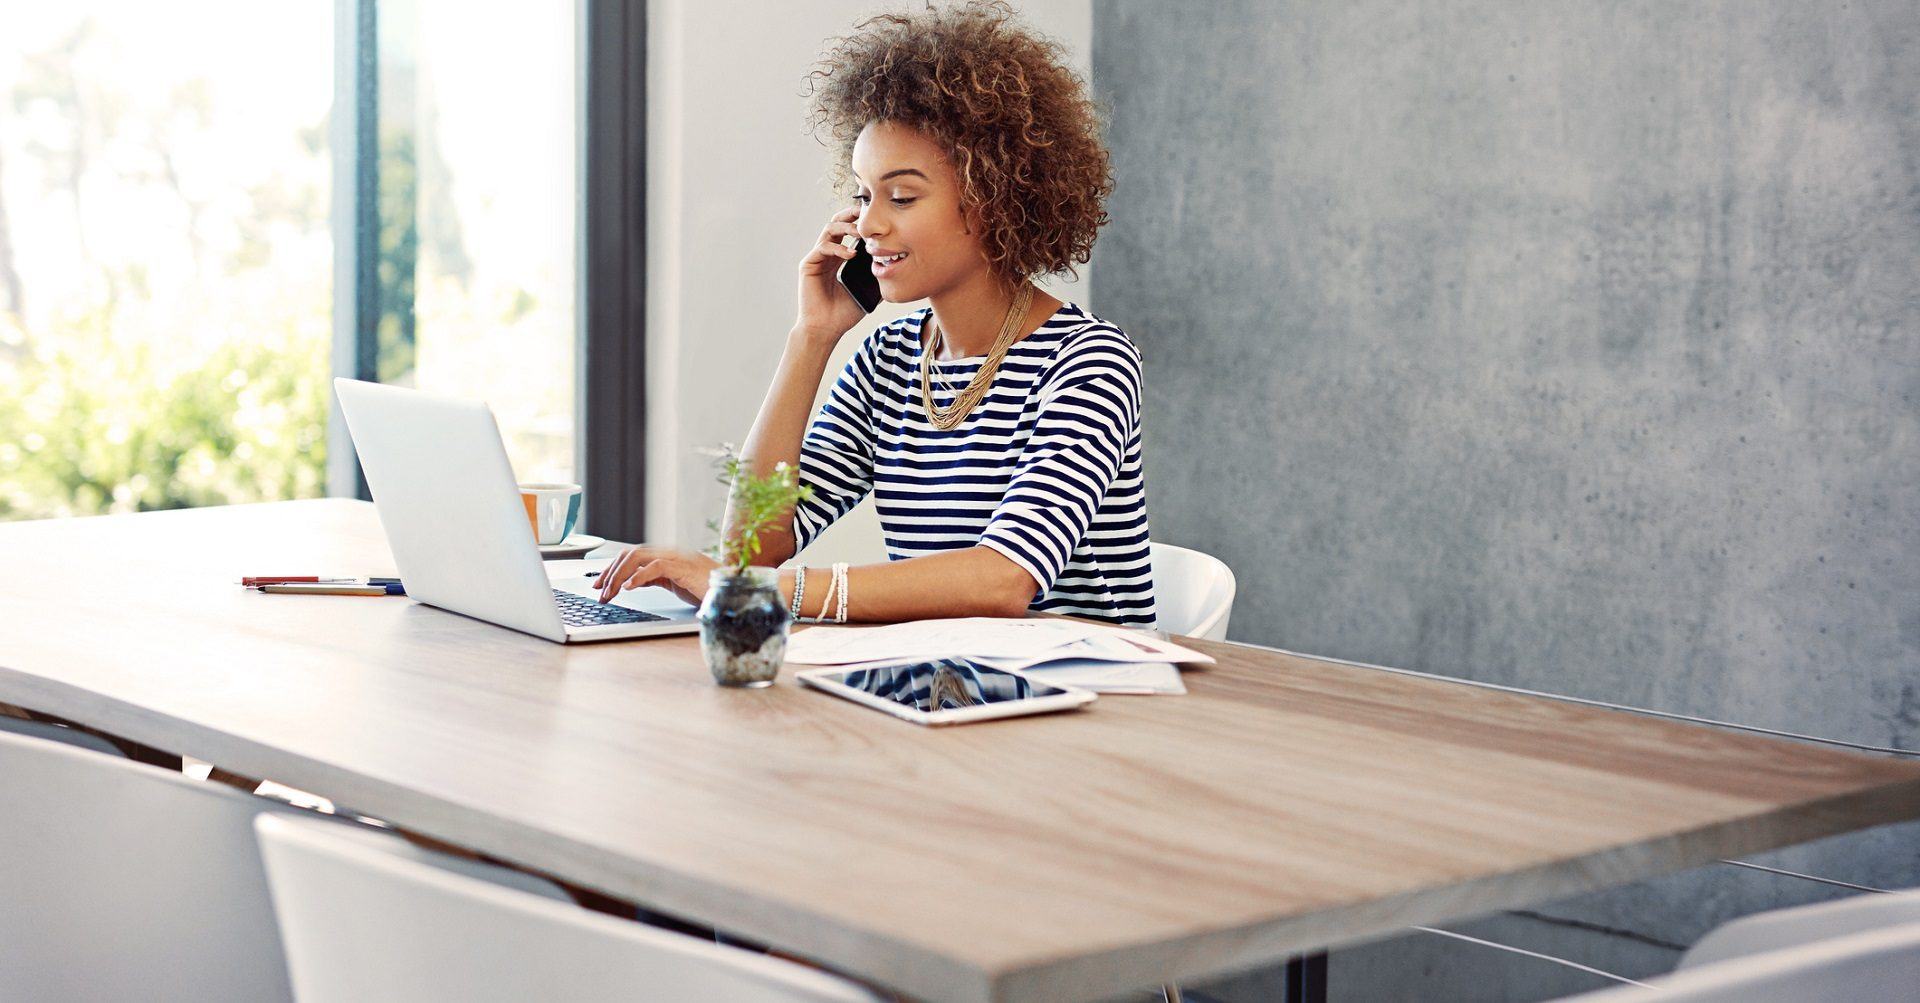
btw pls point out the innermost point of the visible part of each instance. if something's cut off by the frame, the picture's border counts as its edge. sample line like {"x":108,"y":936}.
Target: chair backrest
{"x":59,"y":733}
{"x":124,"y":881}
{"x":1783,"y":928}
{"x":1192,"y":591}
{"x":1882,"y":964}
{"x":364,"y":922}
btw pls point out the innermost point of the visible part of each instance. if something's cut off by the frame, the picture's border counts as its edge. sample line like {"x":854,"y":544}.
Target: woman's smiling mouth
{"x":883,"y":264}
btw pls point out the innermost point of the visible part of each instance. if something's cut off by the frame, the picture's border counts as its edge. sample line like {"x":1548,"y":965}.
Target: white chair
{"x":1779,"y":929}
{"x":124,"y":881}
{"x":364,"y":923}
{"x":1192,"y":591}
{"x":58,"y":733}
{"x":1880,"y":964}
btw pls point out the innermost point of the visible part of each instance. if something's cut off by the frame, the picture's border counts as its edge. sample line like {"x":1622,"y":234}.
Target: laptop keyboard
{"x":579,"y":611}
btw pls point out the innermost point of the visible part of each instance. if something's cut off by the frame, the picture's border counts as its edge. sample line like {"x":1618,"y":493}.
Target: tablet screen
{"x":946,"y":684}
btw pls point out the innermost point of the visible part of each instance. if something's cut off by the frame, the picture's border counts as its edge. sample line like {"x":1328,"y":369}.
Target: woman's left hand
{"x":682,"y":571}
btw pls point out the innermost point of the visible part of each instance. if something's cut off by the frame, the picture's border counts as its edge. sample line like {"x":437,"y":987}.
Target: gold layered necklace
{"x":963,"y":404}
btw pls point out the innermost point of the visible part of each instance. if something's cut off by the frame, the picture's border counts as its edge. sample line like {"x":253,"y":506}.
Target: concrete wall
{"x":736,"y":194}
{"x":1573,"y":344}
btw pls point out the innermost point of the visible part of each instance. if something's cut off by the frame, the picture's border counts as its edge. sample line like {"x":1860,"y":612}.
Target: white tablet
{"x":946,"y":691}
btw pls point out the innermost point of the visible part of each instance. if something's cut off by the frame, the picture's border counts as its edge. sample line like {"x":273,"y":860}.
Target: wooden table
{"x":1285,"y":804}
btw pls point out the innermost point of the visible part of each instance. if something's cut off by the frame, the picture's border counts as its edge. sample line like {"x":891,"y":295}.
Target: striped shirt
{"x":1045,"y":470}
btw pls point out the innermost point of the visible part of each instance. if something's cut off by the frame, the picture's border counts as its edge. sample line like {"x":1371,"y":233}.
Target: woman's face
{"x":910,"y":199}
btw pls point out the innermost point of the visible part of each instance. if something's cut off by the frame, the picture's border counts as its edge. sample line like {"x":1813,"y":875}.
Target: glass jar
{"x":743,"y":626}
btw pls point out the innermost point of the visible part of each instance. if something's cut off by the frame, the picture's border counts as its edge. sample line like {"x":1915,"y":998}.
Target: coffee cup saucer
{"x":576,"y":545}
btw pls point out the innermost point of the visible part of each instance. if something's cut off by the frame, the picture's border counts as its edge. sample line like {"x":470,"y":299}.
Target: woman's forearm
{"x":779,"y":428}
{"x":978,"y":581}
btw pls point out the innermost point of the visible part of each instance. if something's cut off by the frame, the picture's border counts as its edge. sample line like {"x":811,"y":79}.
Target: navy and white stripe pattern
{"x":1046,"y":470}
{"x":944,"y":684}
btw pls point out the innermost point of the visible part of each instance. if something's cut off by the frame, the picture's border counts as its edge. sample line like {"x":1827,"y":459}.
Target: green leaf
{"x":758,"y":502}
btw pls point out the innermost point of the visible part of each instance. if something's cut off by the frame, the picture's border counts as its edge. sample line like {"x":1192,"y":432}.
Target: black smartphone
{"x":856,"y":275}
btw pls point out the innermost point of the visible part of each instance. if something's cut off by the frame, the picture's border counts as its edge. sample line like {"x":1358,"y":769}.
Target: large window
{"x":165,"y":256}
{"x":477,"y":202}
{"x":206,"y":213}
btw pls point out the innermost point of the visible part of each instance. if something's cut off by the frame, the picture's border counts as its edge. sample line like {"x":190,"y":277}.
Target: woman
{"x":999,"y":428}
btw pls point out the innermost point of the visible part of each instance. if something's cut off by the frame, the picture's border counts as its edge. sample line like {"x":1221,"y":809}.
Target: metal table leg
{"x":1307,"y":978}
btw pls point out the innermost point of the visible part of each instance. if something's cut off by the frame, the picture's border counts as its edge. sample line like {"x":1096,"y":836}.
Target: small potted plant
{"x":743,"y":620}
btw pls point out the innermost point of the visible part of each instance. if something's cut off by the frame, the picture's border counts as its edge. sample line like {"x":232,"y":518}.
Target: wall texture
{"x":1573,"y":345}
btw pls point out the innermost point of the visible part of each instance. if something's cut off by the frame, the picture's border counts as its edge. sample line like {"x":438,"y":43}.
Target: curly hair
{"x":1020,"y":128}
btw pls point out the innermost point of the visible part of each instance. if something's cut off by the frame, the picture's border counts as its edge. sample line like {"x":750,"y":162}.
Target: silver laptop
{"x":459,"y":532}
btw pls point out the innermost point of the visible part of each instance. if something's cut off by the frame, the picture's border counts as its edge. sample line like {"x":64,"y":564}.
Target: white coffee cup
{"x":552,"y":509}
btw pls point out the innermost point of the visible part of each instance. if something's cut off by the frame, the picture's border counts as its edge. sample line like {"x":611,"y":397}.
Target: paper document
{"x":1107,"y":645}
{"x":931,"y":639}
{"x":1111,"y":677}
{"x":1093,"y":656}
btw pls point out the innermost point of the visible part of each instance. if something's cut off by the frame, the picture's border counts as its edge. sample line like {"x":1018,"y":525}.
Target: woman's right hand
{"x":827,"y":310}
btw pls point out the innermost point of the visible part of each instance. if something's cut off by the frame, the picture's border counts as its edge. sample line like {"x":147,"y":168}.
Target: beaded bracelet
{"x":799,"y":589}
{"x":826,"y":604}
{"x":840,"y":581}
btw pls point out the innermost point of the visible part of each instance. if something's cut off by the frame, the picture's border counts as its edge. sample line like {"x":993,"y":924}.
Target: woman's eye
{"x":902,"y":202}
